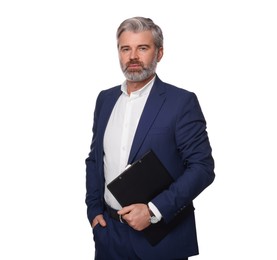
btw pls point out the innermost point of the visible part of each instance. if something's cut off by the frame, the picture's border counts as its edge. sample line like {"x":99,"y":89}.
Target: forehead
{"x":136,"y":38}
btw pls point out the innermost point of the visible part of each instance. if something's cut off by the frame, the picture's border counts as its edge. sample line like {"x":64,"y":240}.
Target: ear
{"x":160,"y":53}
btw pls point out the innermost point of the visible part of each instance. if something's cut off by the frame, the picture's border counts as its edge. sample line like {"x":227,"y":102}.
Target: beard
{"x":139,"y":74}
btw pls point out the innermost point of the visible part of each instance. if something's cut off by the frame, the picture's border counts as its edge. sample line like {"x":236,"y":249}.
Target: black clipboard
{"x":140,"y":183}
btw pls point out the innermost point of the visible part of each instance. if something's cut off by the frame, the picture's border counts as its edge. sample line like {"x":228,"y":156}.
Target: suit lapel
{"x":152,"y":107}
{"x":106,"y":111}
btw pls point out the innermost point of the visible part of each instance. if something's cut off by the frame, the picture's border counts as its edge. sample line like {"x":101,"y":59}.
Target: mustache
{"x":136,"y":62}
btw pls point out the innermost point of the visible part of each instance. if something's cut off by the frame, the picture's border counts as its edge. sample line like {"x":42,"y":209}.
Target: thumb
{"x":124,"y":210}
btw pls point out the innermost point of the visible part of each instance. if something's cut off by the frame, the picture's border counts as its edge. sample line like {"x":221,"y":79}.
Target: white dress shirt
{"x":119,"y":136}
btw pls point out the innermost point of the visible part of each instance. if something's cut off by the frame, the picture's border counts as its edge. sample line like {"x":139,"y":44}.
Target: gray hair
{"x":140,"y":24}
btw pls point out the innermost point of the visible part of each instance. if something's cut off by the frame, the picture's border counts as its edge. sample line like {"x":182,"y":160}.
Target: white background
{"x":56,"y":55}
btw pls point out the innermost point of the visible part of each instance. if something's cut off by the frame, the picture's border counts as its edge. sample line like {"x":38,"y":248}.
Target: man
{"x":145,"y":114}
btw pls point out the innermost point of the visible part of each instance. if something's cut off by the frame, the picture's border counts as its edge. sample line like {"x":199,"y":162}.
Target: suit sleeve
{"x":194,"y":150}
{"x":93,"y":182}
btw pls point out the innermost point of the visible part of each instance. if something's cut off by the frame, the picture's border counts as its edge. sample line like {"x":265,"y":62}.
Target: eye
{"x":142,"y":48}
{"x":125,"y":49}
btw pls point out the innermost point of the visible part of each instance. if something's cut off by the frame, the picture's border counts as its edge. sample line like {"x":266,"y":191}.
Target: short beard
{"x":138,"y":76}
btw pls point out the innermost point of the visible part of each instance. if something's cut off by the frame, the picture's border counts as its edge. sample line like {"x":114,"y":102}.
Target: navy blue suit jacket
{"x":173,"y":126}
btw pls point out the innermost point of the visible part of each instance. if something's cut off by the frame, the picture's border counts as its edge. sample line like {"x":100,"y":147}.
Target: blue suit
{"x":173,"y":126}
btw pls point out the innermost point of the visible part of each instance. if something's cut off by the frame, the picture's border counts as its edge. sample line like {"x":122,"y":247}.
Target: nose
{"x":133,"y":55}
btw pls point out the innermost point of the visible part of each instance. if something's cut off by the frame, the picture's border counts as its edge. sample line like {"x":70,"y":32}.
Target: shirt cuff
{"x":155,"y":210}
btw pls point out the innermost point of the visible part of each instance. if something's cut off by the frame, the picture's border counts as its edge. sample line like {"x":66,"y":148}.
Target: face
{"x":138,"y":55}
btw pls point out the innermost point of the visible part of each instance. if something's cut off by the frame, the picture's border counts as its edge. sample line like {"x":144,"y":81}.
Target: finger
{"x":125,"y":210}
{"x":99,"y":220}
{"x":102,"y":221}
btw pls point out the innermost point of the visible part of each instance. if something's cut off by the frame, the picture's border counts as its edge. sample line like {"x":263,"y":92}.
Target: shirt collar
{"x":142,"y":91}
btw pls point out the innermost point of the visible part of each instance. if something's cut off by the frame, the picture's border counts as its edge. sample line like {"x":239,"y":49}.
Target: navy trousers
{"x":113,"y":243}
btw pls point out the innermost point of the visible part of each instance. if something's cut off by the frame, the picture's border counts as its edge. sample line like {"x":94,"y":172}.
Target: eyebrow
{"x":140,"y":45}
